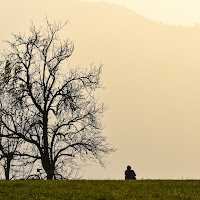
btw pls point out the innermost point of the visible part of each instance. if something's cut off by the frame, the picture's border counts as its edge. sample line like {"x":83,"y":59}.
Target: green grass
{"x":100,"y":189}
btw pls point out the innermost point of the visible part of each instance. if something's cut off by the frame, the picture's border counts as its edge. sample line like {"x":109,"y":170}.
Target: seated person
{"x":129,"y":174}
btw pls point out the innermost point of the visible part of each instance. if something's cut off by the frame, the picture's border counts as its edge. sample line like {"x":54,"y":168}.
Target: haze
{"x":151,"y":74}
{"x":179,"y":12}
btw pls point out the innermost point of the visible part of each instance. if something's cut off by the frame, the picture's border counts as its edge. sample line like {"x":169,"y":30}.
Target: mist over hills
{"x":151,"y":74}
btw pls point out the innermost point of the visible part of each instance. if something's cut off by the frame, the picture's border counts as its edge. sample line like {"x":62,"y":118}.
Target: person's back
{"x":129,"y":174}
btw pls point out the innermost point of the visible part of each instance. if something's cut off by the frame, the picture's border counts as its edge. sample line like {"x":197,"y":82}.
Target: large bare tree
{"x":61,"y":116}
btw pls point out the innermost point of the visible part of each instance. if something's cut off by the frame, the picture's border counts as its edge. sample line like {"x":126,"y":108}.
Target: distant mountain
{"x":138,"y":54}
{"x":151,"y":73}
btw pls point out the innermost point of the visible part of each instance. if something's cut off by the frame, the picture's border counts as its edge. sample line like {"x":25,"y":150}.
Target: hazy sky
{"x":184,"y":12}
{"x":151,"y":74}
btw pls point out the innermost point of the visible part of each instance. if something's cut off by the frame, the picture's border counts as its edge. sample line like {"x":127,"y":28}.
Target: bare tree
{"x":61,"y":117}
{"x":14,"y":152}
{"x":7,"y":149}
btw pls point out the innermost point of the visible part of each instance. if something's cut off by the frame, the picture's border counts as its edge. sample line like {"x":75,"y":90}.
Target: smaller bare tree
{"x":15,"y":153}
{"x":9,"y":153}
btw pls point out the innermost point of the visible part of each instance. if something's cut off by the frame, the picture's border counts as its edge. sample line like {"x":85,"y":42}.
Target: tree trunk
{"x":7,"y":167}
{"x":7,"y":170}
{"x":48,"y":167}
{"x":50,"y":174}
{"x":46,"y":163}
{"x":45,"y":134}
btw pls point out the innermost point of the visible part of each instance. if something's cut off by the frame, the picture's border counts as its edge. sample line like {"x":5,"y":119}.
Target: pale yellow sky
{"x":179,"y":12}
{"x":151,"y":74}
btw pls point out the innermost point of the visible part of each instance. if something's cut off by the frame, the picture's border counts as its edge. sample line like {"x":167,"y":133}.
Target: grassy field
{"x":100,"y":189}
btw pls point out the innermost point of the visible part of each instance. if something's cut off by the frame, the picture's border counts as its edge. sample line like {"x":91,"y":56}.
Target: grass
{"x":100,"y":189}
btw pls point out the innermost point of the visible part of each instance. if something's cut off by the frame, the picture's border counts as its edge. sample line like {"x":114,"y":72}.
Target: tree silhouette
{"x":14,"y":152}
{"x":60,"y":118}
{"x":6,"y":155}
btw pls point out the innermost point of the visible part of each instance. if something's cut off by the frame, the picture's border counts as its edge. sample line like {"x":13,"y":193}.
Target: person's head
{"x":128,"y":167}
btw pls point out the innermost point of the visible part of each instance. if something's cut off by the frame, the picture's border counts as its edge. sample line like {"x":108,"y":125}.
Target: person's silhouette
{"x":130,"y":174}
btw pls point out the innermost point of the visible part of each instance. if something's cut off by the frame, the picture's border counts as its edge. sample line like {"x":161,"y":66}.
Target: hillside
{"x":99,"y":189}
